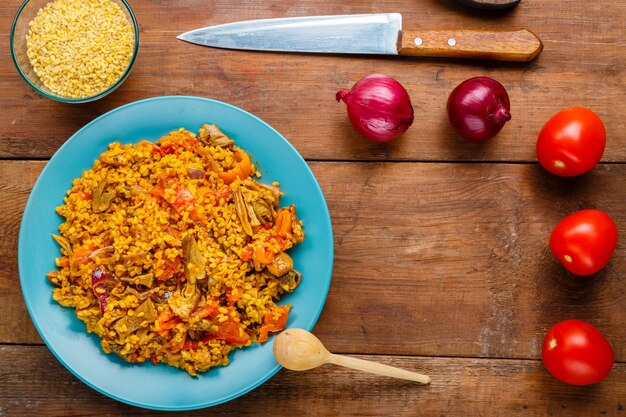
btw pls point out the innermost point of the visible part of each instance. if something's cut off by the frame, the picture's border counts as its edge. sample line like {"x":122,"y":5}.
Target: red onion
{"x":102,"y":282}
{"x":478,"y":108}
{"x":378,"y":107}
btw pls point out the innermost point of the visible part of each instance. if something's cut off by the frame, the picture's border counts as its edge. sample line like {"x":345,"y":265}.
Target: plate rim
{"x":26,"y":214}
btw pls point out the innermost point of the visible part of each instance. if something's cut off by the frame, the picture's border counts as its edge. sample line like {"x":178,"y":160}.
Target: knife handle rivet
{"x":418,"y":41}
{"x":451,"y":41}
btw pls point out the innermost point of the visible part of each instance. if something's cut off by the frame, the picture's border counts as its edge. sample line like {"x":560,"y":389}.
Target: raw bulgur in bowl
{"x":74,"y":51}
{"x":143,"y":384}
{"x":175,"y":252}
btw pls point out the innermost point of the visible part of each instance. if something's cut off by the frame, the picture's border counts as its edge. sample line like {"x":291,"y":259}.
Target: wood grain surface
{"x":582,"y":64}
{"x":426,"y":251}
{"x":461,"y":387}
{"x":441,"y":257}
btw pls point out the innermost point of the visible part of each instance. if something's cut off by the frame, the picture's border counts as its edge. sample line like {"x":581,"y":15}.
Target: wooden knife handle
{"x":518,"y":45}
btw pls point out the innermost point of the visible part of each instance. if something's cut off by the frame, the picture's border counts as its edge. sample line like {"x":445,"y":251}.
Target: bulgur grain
{"x":79,"y":48}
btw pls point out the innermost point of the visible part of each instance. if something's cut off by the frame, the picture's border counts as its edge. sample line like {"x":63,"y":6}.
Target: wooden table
{"x":441,"y":257}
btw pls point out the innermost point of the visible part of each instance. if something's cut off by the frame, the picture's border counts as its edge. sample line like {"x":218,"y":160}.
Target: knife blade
{"x":380,"y":33}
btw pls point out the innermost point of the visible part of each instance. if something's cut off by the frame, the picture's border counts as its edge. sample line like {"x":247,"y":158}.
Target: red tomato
{"x":577,"y":353}
{"x":584,"y":241}
{"x":571,"y":142}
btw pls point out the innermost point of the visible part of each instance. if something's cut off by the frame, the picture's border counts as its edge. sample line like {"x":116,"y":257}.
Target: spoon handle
{"x":377,"y":368}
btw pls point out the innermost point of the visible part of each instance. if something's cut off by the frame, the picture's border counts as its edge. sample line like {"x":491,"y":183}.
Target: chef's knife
{"x":366,"y":34}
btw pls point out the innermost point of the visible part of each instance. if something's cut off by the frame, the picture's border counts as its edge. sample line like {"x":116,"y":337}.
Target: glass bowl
{"x":27,"y":12}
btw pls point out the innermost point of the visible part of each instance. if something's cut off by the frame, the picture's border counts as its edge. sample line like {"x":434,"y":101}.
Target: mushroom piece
{"x":116,"y":160}
{"x":182,"y":302}
{"x":195,"y":172}
{"x":100,"y":201}
{"x":208,"y":160}
{"x":290,"y":280}
{"x":142,"y":316}
{"x":242,"y":213}
{"x":126,"y":291}
{"x":202,"y":325}
{"x":263,"y":210}
{"x":102,"y":252}
{"x":275,"y":192}
{"x":195,"y":265}
{"x":64,"y":243}
{"x":254,"y":220}
{"x":145,"y":279}
{"x":212,"y":135}
{"x":281,"y":264}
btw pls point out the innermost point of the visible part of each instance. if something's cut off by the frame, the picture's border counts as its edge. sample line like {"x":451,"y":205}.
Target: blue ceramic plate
{"x":163,"y":387}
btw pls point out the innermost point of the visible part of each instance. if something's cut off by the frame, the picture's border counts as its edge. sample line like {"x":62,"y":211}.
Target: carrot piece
{"x":191,"y":345}
{"x":165,"y":315}
{"x":81,"y":255}
{"x":167,"y":326}
{"x":83,"y":195}
{"x":158,"y":190}
{"x":225,"y":193}
{"x":175,"y":141}
{"x":234,"y":294}
{"x":63,"y":262}
{"x":170,"y":269}
{"x":283,"y":222}
{"x":231,"y":332}
{"x":247,"y":254}
{"x":262,"y":256}
{"x":274,"y":321}
{"x":206,"y":310}
{"x":180,"y":198}
{"x":241,"y":170}
{"x":166,"y":321}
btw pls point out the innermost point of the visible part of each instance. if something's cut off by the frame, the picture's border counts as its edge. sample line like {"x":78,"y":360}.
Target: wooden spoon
{"x":299,"y":350}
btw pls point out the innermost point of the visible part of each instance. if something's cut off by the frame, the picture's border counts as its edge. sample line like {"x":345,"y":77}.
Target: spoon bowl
{"x":300,"y":350}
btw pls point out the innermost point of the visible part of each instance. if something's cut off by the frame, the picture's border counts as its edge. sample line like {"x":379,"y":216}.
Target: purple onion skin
{"x":379,"y":107}
{"x":478,"y":108}
{"x":102,"y":282}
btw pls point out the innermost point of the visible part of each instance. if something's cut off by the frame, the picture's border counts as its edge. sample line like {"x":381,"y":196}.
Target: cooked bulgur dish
{"x":175,"y":252}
